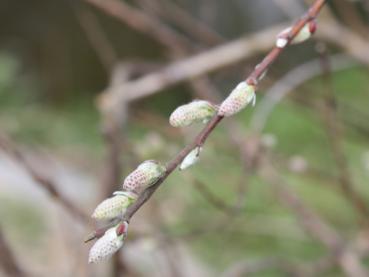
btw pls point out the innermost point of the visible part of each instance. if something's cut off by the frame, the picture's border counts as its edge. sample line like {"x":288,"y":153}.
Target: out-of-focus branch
{"x":195,"y":66}
{"x":335,"y":33}
{"x":41,"y":180}
{"x":184,"y":20}
{"x":334,"y":130}
{"x":291,"y":8}
{"x":97,"y":37}
{"x":213,"y":199}
{"x":141,"y":22}
{"x":8,"y":262}
{"x":213,"y":59}
{"x":346,"y":258}
{"x":350,"y":15}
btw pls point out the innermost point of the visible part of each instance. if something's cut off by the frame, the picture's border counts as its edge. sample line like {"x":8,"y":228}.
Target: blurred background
{"x":86,"y":89}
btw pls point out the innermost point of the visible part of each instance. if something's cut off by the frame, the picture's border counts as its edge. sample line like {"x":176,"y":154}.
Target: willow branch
{"x":201,"y":138}
{"x":204,"y":134}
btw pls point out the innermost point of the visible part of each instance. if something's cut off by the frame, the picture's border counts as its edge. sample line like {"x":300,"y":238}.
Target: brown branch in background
{"x":346,"y":258}
{"x":183,"y":19}
{"x":351,"y":16}
{"x":335,"y":133}
{"x":290,"y":8}
{"x":336,"y":33}
{"x":213,"y":199}
{"x":97,"y":37}
{"x":8,"y":263}
{"x":142,"y":22}
{"x":195,"y":66}
{"x":41,"y":179}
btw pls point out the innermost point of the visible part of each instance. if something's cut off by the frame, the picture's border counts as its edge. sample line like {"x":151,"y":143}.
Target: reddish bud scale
{"x":108,"y":244}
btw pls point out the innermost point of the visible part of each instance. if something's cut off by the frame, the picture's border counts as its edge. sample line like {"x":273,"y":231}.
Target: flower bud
{"x":305,"y":33}
{"x":196,"y":111}
{"x":109,"y":243}
{"x":191,"y":158}
{"x":143,"y":176}
{"x":114,"y":206}
{"x":239,"y":98}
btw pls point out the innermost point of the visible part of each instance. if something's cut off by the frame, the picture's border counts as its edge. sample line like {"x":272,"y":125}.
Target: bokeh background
{"x":281,"y":189}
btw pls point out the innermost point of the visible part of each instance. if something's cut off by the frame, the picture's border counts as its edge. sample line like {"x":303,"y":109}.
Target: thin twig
{"x":206,"y":131}
{"x":204,"y":134}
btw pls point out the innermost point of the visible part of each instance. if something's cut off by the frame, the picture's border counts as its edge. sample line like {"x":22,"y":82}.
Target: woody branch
{"x":201,"y":138}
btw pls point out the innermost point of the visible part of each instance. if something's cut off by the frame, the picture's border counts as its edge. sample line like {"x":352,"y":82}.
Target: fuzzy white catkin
{"x":143,"y":176}
{"x":191,"y":158}
{"x":105,"y":246}
{"x":196,"y":111}
{"x":239,"y":98}
{"x":114,"y":206}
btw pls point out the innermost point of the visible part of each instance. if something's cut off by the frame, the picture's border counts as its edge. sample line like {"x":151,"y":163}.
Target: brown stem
{"x":201,"y":138}
{"x":7,"y":260}
{"x":204,"y":134}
